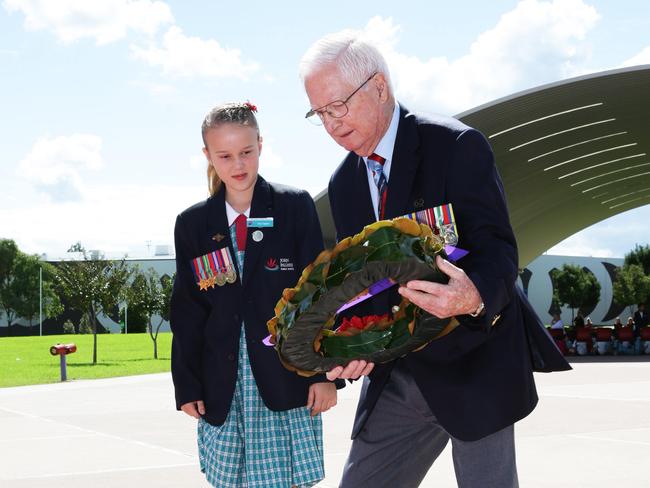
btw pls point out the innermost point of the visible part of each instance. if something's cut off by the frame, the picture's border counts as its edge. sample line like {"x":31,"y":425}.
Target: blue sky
{"x":102,"y":100}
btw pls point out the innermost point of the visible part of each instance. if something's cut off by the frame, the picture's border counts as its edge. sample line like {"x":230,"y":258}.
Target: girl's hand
{"x":322,"y":397}
{"x":194,"y":409}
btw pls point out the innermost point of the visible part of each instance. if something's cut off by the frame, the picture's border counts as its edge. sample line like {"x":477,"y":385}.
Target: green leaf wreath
{"x":302,"y":328}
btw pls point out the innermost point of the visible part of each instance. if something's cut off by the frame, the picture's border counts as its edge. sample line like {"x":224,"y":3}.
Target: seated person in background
{"x":626,"y":338}
{"x":579,"y":321}
{"x":584,"y":339}
{"x":556,"y":322}
{"x":618,"y":325}
{"x":558,"y":334}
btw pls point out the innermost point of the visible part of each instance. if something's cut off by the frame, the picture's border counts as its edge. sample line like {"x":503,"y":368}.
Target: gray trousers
{"x":402,"y":439}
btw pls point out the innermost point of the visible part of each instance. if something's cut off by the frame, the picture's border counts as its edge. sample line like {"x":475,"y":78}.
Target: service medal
{"x":231,"y":276}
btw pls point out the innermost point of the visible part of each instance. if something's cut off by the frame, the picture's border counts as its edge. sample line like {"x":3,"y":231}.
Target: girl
{"x":259,"y":424}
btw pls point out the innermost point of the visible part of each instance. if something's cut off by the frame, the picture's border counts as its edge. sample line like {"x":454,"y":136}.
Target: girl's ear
{"x":259,"y":144}
{"x":207,"y":154}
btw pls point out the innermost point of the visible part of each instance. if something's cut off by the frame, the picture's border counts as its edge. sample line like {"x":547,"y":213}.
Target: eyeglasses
{"x":335,"y":109}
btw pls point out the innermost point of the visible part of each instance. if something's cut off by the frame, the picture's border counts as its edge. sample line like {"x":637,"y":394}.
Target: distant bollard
{"x":62,"y":350}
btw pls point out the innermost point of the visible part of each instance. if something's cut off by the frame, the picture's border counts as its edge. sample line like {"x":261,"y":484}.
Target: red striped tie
{"x":376,"y":164}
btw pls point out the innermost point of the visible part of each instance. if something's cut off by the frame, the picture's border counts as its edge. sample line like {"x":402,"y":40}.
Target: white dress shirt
{"x":232,"y":214}
{"x":385,"y":150}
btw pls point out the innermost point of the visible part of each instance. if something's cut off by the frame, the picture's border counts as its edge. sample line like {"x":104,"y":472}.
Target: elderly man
{"x":473,"y":384}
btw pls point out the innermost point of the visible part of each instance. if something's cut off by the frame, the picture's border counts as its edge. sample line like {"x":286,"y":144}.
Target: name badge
{"x":259,"y":222}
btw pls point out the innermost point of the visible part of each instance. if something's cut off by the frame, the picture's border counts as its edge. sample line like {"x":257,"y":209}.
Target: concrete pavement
{"x":591,"y":429}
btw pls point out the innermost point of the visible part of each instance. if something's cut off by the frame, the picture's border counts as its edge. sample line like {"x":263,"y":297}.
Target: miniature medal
{"x":231,"y":276}
{"x":449,"y":235}
{"x":221,"y":279}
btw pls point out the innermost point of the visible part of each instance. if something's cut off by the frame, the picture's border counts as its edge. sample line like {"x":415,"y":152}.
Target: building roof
{"x":570,"y":154}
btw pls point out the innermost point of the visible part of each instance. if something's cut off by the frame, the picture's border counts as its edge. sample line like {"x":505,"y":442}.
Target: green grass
{"x":27,"y":360}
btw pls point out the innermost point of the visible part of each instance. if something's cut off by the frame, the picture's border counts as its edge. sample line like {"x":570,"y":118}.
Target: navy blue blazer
{"x":206,"y":324}
{"x":479,"y":378}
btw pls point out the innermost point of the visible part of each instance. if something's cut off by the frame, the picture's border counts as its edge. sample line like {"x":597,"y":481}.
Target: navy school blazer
{"x":479,"y":378}
{"x":206,"y":324}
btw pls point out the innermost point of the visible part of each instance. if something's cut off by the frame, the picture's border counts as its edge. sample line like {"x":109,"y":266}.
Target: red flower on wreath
{"x":362,"y":323}
{"x":251,"y":107}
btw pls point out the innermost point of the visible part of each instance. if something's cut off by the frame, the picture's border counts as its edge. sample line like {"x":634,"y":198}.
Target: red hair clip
{"x":251,"y":107}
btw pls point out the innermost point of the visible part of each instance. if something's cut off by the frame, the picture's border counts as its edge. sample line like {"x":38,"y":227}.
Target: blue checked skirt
{"x":257,"y":447}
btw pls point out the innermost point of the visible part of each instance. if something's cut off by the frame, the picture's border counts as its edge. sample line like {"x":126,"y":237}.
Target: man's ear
{"x":382,"y":86}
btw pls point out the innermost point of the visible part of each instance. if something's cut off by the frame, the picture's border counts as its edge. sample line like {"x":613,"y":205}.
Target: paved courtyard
{"x":591,"y":429}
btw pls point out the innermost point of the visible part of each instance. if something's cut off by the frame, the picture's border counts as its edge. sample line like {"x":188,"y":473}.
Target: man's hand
{"x":457,"y":297}
{"x":352,"y":371}
{"x":322,"y":397}
{"x":194,"y":409}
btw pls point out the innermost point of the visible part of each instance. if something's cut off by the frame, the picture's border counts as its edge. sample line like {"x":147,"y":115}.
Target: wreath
{"x":303,"y":328}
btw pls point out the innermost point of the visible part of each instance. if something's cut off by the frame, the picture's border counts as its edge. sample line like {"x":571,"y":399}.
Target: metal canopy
{"x":570,"y":154}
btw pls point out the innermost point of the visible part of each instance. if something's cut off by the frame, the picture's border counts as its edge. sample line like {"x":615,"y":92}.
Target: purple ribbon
{"x":373,"y":290}
{"x":455,"y":253}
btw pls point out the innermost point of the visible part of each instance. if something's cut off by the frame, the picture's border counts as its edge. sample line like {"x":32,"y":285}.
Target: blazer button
{"x":231,"y":357}
{"x":237,"y":319}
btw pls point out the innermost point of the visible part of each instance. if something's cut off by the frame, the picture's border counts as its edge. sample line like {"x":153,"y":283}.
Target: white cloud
{"x":613,"y":237}
{"x":105,"y":21}
{"x":581,"y":245}
{"x":154,"y":89}
{"x":116,"y":219}
{"x":642,"y":57}
{"x":198,"y":161}
{"x":269,"y":159}
{"x":190,"y":57}
{"x":536,"y":42}
{"x":54,"y":164}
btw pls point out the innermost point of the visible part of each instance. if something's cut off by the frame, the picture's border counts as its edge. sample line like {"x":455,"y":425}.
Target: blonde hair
{"x":227,"y":113}
{"x":214,"y":182}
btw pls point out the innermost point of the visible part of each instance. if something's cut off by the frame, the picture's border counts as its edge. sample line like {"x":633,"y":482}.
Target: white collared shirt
{"x":385,"y":150}
{"x":232,"y":214}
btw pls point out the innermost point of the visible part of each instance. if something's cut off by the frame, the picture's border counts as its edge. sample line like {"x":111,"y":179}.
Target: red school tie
{"x":241,"y":231}
{"x":376,"y":164}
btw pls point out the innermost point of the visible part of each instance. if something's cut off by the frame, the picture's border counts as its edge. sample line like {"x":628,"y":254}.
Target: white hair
{"x":354,"y":56}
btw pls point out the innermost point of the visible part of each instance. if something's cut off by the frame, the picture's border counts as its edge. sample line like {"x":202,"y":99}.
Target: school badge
{"x":214,"y":268}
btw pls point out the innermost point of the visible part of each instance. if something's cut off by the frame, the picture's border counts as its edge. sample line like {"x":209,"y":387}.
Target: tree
{"x":631,"y":286}
{"x":640,"y":255}
{"x":152,"y":295}
{"x":576,"y":287}
{"x":8,"y":253}
{"x":92,"y":286}
{"x":25,"y":289}
{"x":19,"y":285}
